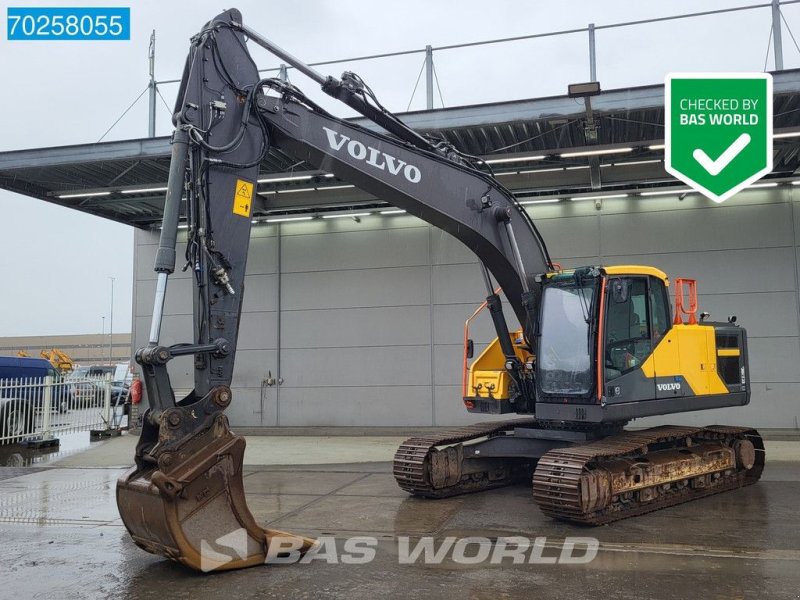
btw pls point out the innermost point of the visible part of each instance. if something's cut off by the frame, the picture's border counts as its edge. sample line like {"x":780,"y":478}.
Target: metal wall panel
{"x":407,"y":405}
{"x":354,"y":327}
{"x":397,"y":286}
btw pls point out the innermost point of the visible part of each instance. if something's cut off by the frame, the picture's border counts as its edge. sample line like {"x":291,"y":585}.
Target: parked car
{"x":22,"y":393}
{"x":87,"y":385}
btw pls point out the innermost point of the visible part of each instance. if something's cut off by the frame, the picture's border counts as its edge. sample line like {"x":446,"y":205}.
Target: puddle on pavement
{"x":16,"y":455}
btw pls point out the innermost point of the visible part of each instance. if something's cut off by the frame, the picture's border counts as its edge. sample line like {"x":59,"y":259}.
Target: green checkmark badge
{"x":718,"y":136}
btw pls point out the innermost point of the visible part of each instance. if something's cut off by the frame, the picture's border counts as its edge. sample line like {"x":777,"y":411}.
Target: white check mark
{"x":714,"y":167}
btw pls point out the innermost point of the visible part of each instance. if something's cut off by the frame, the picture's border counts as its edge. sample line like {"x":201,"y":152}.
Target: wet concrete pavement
{"x":63,"y":539}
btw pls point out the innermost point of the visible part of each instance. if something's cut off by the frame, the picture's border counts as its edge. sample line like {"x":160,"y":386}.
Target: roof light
{"x":295,"y":191}
{"x":513,"y":159}
{"x":393,"y":212}
{"x":542,"y":201}
{"x":599,"y":197}
{"x":288,"y":178}
{"x":668,"y":192}
{"x":86,"y":195}
{"x":788,"y":134}
{"x":348,"y":215}
{"x":656,"y":147}
{"x":144,"y":190}
{"x":633,"y":162}
{"x":763,"y":185}
{"x":576,"y":167}
{"x":595,"y":152}
{"x":506,"y":174}
{"x":287,"y":219}
{"x":541,"y":171}
{"x":336,"y":187}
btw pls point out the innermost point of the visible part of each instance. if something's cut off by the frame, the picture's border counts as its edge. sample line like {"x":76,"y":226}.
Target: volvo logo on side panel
{"x":668,"y":387}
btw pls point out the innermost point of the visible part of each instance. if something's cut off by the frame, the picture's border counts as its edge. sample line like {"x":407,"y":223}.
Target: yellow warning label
{"x":243,"y":198}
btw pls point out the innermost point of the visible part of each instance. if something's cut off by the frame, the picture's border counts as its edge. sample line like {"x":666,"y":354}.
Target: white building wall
{"x":364,"y":321}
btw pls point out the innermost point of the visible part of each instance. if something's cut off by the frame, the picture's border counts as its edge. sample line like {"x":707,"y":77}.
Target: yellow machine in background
{"x":59,"y":359}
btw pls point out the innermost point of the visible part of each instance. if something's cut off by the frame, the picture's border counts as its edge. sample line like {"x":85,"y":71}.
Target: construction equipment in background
{"x":596,"y":347}
{"x":59,"y":359}
{"x":22,"y":354}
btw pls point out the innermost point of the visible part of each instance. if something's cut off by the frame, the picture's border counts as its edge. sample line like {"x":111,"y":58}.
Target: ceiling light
{"x":599,"y":197}
{"x":336,"y":187}
{"x":392,"y":212}
{"x":506,"y":174}
{"x":541,"y":171}
{"x":295,"y":191}
{"x":287,"y":219}
{"x":512,"y":159}
{"x":796,"y":182}
{"x":289,"y":178}
{"x":656,"y":147}
{"x":788,"y":134}
{"x":667,"y":192}
{"x":763,"y":185}
{"x":144,"y":190}
{"x":86,"y":195}
{"x":577,"y":167}
{"x":348,"y":215}
{"x":595,"y":152}
{"x":543,"y":201}
{"x":329,"y":175}
{"x":635,"y":162}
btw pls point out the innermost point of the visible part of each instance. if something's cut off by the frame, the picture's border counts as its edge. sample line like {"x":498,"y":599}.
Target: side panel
{"x":684,"y":363}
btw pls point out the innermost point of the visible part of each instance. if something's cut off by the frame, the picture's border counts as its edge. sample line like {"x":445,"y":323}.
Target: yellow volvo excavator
{"x":597,"y":346}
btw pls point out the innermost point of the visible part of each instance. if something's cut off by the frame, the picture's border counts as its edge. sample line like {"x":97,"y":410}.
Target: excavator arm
{"x":184,"y":498}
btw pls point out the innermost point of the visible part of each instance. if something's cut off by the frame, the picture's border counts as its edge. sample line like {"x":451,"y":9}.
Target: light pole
{"x":111,"y":325}
{"x":102,"y":340}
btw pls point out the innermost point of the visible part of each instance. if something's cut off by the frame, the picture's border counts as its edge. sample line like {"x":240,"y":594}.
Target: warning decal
{"x":243,"y":198}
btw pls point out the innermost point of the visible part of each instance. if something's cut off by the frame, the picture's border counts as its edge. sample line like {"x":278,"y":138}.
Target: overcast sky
{"x":55,"y":263}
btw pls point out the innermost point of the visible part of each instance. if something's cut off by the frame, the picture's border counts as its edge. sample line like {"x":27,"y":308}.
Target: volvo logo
{"x":668,"y":387}
{"x":373,"y":156}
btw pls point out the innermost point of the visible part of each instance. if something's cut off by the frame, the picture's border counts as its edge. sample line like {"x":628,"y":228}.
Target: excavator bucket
{"x":190,"y":506}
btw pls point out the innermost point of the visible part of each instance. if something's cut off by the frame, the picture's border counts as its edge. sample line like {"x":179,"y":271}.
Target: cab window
{"x":659,"y":307}
{"x":628,"y":335}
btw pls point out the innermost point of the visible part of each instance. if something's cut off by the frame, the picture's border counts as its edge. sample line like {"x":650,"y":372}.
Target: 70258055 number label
{"x":61,"y":23}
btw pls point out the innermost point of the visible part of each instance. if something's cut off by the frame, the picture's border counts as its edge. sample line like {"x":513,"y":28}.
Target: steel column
{"x":777,"y":45}
{"x":429,"y":77}
{"x":151,"y":125}
{"x":592,"y":55}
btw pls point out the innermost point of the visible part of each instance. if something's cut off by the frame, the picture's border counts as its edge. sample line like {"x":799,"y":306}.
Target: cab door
{"x":628,"y":333}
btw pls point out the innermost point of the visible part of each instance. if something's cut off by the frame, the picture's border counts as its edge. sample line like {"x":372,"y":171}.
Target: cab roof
{"x":621,"y":270}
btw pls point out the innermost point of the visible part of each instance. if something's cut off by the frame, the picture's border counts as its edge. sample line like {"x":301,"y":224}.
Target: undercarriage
{"x":590,"y":475}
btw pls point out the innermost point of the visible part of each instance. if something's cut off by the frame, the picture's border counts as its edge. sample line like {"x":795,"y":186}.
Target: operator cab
{"x":618,"y":314}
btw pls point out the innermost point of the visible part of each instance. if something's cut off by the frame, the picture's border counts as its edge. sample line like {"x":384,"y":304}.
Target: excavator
{"x":596,"y":347}
{"x":59,"y":359}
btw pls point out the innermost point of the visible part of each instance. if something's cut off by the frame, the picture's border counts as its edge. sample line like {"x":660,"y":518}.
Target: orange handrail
{"x":466,"y":341}
{"x":691,"y":285}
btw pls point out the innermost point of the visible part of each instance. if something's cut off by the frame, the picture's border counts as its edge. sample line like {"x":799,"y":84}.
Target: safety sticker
{"x":243,"y":198}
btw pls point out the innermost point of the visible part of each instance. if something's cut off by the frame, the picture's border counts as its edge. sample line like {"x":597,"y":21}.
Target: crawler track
{"x":562,"y":477}
{"x":423,"y":470}
{"x":581,"y":483}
